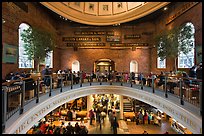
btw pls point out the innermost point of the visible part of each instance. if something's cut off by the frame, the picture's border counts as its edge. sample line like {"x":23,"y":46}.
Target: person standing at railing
{"x":149,"y":79}
{"x":141,"y":78}
{"x":92,"y":76}
{"x":74,"y":77}
{"x":98,"y":75}
{"x":199,"y":71}
{"x":185,"y":79}
{"x":192,"y":71}
{"x":125,"y":77}
{"x":10,"y":76}
{"x":59,"y":78}
{"x":132,"y":76}
{"x":161,"y":79}
{"x":171,"y":81}
{"x":83,"y":76}
{"x":46,"y":78}
{"x":69,"y":76}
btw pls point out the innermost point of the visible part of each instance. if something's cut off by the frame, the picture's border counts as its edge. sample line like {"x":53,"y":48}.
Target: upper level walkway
{"x":186,"y":113}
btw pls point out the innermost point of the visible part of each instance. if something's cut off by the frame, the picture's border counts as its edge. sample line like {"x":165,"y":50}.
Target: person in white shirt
{"x":73,"y":114}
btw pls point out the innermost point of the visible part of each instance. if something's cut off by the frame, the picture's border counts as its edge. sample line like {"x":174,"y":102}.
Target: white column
{"x":121,"y":107}
{"x":89,"y":102}
{"x":65,"y":105}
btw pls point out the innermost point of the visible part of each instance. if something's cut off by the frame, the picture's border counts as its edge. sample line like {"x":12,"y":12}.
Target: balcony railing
{"x":16,"y":94}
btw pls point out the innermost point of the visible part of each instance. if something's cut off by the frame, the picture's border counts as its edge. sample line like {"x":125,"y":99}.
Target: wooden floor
{"x":131,"y":128}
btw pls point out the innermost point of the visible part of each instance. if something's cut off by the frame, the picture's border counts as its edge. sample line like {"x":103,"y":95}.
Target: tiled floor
{"x":132,"y":128}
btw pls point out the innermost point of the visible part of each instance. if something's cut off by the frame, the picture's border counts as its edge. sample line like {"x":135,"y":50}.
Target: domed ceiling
{"x":103,"y":13}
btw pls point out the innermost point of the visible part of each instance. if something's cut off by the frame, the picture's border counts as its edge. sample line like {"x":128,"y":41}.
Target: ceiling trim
{"x":102,"y":19}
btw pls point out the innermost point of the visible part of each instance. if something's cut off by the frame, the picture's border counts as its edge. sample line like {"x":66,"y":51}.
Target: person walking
{"x":111,"y":118}
{"x":91,"y":115}
{"x":115,"y":125}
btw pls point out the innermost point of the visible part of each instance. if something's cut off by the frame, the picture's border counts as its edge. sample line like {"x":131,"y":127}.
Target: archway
{"x":104,"y":64}
{"x":75,"y":66}
{"x":134,"y":67}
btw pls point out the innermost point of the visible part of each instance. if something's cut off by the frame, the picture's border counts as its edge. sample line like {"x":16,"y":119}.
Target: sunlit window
{"x":49,"y":59}
{"x":75,"y":66}
{"x":187,"y":61}
{"x":23,"y":58}
{"x":161,"y":63}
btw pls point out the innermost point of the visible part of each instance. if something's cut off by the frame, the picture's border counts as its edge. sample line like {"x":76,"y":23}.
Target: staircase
{"x":127,"y":105}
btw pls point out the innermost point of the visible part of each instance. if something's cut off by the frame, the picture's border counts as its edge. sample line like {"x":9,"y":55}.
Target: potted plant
{"x":37,"y":43}
{"x":170,"y":43}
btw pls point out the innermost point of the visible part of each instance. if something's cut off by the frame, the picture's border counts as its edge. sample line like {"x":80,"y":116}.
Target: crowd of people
{"x":44,"y":128}
{"x":194,"y":72}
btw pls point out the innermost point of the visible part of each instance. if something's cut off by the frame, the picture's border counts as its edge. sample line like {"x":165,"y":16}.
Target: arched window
{"x":160,"y":63}
{"x":75,"y":66}
{"x":23,"y":58}
{"x":187,"y":60}
{"x":49,"y":59}
{"x":133,"y":66}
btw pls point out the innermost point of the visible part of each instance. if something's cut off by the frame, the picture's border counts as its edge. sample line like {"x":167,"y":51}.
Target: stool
{"x":128,"y":120}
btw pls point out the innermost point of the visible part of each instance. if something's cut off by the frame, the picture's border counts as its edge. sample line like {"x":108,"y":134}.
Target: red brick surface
{"x":63,"y":57}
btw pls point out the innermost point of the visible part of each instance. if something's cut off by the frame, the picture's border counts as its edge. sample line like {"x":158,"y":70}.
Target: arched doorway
{"x":75,"y":66}
{"x":104,"y":64}
{"x":133,"y":66}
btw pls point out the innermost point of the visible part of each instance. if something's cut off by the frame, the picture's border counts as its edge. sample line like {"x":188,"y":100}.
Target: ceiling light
{"x":165,"y":8}
{"x":3,"y":21}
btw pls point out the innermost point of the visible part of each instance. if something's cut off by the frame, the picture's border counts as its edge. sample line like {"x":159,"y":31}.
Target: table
{"x":81,"y":113}
{"x":129,"y":115}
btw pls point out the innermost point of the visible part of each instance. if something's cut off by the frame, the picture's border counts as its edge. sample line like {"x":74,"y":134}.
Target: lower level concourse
{"x":133,"y":117}
{"x":101,"y":67}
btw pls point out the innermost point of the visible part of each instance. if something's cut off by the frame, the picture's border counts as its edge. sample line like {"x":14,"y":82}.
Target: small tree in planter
{"x":171,"y":43}
{"x":37,"y":44}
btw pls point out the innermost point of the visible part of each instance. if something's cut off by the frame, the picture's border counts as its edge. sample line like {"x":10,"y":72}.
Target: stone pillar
{"x":89,"y":102}
{"x":65,"y":105}
{"x":121,"y":107}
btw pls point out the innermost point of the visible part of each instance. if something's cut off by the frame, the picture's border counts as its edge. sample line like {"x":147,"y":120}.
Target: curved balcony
{"x":184,"y":105}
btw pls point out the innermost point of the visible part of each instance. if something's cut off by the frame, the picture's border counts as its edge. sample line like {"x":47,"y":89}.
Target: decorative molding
{"x":33,"y":115}
{"x":184,"y":8}
{"x":104,"y":13}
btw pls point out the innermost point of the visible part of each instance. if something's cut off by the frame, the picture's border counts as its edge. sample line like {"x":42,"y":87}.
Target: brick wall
{"x":63,"y":56}
{"x":14,"y":16}
{"x":122,"y":58}
{"x":194,"y":15}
